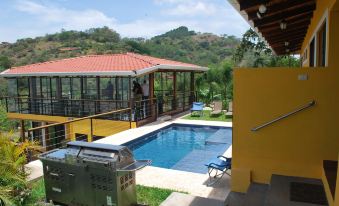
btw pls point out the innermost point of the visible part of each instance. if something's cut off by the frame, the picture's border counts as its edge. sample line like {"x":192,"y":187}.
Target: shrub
{"x":13,"y":186}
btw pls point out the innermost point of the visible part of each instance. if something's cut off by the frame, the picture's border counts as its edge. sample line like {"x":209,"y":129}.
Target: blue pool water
{"x":182,"y":147}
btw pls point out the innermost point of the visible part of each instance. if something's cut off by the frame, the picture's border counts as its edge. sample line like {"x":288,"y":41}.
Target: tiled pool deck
{"x":192,"y":182}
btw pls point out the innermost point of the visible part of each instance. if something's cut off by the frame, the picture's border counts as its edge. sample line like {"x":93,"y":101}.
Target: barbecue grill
{"x":91,"y":174}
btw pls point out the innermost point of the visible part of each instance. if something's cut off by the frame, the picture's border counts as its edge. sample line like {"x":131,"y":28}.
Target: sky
{"x":130,"y":18}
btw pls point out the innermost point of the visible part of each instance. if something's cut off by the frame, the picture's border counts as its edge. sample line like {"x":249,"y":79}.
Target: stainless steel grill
{"x":91,"y":174}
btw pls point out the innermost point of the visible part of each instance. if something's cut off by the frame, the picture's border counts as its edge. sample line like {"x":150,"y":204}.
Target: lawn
{"x":145,"y":195}
{"x":207,"y":116}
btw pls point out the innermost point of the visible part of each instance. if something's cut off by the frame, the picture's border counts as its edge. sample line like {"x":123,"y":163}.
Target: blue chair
{"x":197,"y":107}
{"x":217,"y":167}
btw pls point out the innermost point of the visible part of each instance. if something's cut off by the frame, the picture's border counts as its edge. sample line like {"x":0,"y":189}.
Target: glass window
{"x":66,"y":88}
{"x":76,"y":88}
{"x":12,"y":87}
{"x":23,"y":87}
{"x":90,"y":88}
{"x":321,"y":46}
{"x":107,"y":87}
{"x":312,"y":51}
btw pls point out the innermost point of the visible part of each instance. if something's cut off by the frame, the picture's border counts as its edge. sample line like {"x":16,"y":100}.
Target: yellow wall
{"x":295,"y":146}
{"x":100,"y":127}
{"x":37,"y":118}
{"x":324,"y":7}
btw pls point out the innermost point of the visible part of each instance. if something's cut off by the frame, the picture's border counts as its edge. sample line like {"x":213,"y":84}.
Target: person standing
{"x":145,"y":97}
{"x":137,"y":97}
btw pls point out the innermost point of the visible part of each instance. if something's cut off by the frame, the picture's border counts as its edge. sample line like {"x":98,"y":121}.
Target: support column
{"x":130,"y":99}
{"x":22,"y":130}
{"x":43,"y":135}
{"x":151,"y":95}
{"x":174,"y":103}
{"x":192,"y":89}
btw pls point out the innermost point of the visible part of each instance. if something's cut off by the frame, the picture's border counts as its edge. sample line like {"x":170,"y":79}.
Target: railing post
{"x":91,"y":136}
{"x":95,"y":107}
{"x":130,"y":118}
{"x":6,"y":102}
{"x":22,"y":130}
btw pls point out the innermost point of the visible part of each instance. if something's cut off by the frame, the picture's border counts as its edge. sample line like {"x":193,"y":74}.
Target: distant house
{"x":56,"y":91}
{"x":65,"y":49}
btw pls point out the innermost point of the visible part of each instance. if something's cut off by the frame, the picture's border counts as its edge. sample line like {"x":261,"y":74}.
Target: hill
{"x":178,"y":44}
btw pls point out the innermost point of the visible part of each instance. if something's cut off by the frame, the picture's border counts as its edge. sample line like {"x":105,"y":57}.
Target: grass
{"x":207,"y":116}
{"x":145,"y":195}
{"x":152,"y":196}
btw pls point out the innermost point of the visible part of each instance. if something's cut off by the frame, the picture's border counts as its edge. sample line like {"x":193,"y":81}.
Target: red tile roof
{"x":115,"y":64}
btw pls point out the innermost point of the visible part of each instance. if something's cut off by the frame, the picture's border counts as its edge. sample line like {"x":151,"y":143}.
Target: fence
{"x":61,"y":107}
{"x":87,"y":129}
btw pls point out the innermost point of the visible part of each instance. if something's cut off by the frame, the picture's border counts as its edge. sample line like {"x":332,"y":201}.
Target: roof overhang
{"x":296,"y":13}
{"x":108,"y":73}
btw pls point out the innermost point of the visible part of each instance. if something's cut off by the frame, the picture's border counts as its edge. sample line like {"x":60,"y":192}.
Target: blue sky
{"x":130,"y":18}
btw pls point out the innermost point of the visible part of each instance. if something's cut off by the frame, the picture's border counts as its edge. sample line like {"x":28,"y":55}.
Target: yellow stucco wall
{"x":322,"y":12}
{"x":37,"y":118}
{"x":295,"y":146}
{"x":100,"y":127}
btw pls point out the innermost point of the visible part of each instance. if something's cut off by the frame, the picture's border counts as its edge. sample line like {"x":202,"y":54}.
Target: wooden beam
{"x":287,"y":35}
{"x":283,"y":51}
{"x":277,"y":41}
{"x":290,"y":14}
{"x":293,"y":24}
{"x":277,"y":34}
{"x":247,"y":4}
{"x":291,"y":42}
{"x":275,"y":8}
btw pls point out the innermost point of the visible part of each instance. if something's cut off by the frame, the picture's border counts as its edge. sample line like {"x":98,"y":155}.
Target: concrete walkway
{"x":192,"y":183}
{"x":189,"y":200}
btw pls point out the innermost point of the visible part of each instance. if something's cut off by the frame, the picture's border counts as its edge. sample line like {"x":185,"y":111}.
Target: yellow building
{"x":286,"y":119}
{"x":134,"y":89}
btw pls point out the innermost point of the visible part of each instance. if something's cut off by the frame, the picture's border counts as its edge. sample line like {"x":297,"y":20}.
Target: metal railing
{"x":308,"y":105}
{"x":141,"y":109}
{"x":89,"y":128}
{"x":61,"y":107}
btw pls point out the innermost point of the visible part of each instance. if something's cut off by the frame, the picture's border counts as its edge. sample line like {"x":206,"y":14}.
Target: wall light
{"x":259,"y":15}
{"x":283,"y":24}
{"x":262,"y":9}
{"x":287,"y":43}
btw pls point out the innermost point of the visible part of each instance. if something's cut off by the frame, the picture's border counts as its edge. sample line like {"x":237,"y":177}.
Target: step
{"x":180,"y":199}
{"x":279,"y":190}
{"x":235,"y":199}
{"x":222,"y":136}
{"x":330,"y":168}
{"x":256,"y":195}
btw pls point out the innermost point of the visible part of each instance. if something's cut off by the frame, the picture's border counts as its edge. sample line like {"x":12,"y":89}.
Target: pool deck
{"x":192,"y":183}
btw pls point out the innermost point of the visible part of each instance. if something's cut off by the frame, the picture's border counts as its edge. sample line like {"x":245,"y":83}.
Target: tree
{"x":13,"y":185}
{"x":252,"y":43}
{"x":254,"y":52}
{"x":5,"y":63}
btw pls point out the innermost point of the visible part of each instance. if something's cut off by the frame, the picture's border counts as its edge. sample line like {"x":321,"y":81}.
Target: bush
{"x":13,"y":186}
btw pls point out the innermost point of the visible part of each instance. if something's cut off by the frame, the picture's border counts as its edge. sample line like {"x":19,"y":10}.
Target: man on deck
{"x":145,"y":97}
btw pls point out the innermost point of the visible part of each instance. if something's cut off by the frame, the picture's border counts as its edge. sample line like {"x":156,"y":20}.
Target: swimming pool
{"x":182,"y":147}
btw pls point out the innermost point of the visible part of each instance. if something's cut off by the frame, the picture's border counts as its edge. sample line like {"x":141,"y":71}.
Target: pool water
{"x":182,"y":147}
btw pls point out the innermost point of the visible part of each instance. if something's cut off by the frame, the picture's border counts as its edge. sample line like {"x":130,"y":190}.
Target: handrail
{"x":308,"y":105}
{"x":62,"y":99}
{"x":79,"y":119}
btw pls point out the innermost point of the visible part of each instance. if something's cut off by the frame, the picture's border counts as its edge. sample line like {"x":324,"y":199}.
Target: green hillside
{"x":178,"y":44}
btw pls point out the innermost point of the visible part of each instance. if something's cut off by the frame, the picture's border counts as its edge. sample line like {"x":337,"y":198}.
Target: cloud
{"x":171,"y":1}
{"x":193,"y":9}
{"x":69,"y":19}
{"x":214,"y":16}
